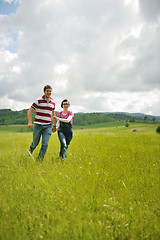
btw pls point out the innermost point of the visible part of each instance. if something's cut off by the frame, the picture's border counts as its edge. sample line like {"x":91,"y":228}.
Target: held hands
{"x":54,"y":122}
{"x":53,"y":129}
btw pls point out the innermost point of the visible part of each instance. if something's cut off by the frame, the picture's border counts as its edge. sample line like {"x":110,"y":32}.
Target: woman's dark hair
{"x":47,"y":87}
{"x":65,"y":100}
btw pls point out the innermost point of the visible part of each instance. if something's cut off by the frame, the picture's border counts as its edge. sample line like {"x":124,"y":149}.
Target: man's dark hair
{"x":65,"y":100}
{"x":47,"y":87}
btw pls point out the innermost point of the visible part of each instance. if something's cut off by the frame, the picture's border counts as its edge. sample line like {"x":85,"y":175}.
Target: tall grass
{"x":108,"y":188}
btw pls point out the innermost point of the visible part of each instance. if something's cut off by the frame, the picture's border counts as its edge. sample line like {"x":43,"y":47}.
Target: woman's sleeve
{"x":57,"y":124}
{"x":66,"y":120}
{"x":71,"y":114}
{"x":58,"y":114}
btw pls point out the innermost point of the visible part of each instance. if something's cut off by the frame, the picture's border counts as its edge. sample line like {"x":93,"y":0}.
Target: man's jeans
{"x":65,"y":139}
{"x":38,"y":131}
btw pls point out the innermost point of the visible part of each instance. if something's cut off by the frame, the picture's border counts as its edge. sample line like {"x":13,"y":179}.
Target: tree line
{"x":9,"y":117}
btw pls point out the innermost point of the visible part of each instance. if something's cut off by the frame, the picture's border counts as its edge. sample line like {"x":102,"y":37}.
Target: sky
{"x":103,"y":56}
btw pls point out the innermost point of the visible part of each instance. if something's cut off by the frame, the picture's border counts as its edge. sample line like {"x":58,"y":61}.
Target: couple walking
{"x":45,"y":115}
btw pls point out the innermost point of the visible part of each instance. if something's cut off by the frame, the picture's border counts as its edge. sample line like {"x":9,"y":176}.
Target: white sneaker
{"x":30,"y":154}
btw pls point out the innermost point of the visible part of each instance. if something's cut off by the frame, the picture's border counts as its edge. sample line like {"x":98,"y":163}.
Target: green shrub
{"x":158,"y":129}
{"x":127,"y":124}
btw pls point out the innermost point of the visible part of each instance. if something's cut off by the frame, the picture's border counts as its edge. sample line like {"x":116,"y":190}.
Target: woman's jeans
{"x":38,"y":131}
{"x":65,"y":139}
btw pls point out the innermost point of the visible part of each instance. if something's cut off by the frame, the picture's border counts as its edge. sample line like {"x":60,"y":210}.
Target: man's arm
{"x":54,"y":122}
{"x":29,"y":114}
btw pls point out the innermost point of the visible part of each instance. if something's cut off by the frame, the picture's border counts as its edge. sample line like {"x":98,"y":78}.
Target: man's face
{"x":48,"y":92}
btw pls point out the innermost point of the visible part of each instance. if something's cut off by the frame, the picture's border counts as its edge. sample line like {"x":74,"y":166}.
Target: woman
{"x":64,"y":125}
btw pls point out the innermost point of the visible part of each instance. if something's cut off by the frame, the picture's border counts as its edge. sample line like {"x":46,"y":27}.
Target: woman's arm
{"x":57,"y":124}
{"x":66,"y":120}
{"x":54,"y":122}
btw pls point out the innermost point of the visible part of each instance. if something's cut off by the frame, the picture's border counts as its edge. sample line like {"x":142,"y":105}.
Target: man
{"x":45,"y":115}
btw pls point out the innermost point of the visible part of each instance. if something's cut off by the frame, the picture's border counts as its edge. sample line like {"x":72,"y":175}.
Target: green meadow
{"x":108,"y":188}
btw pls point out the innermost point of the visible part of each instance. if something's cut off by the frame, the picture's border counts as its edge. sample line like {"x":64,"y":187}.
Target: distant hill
{"x":9,"y":117}
{"x":142,"y":115}
{"x":139,"y":115}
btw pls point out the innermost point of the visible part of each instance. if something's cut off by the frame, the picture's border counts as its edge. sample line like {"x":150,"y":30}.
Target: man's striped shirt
{"x":44,"y":110}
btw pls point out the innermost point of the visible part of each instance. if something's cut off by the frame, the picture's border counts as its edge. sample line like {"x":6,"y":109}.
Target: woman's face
{"x":65,"y":105}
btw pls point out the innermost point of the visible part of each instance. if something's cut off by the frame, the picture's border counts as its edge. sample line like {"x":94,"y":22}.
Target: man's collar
{"x":46,"y":99}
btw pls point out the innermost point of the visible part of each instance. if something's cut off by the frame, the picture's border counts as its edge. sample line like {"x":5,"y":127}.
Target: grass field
{"x":108,"y":188}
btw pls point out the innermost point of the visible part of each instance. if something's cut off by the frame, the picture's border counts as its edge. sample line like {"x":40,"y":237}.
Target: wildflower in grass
{"x":105,"y":205}
{"x":67,"y":177}
{"x":107,"y":227}
{"x":124,"y":184}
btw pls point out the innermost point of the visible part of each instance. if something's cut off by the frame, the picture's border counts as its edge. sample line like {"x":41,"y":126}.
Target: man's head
{"x":47,"y":87}
{"x":47,"y":91}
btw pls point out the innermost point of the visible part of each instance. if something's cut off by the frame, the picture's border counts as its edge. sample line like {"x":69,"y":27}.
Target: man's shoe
{"x":30,"y":154}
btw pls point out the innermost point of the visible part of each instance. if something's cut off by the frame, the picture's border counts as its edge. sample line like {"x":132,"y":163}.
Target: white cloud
{"x":102,"y":58}
{"x":16,"y":69}
{"x":8,"y":1}
{"x":61,"y":69}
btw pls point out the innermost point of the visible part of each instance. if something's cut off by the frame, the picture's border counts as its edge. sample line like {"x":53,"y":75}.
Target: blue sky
{"x":103,"y":59}
{"x":8,"y":7}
